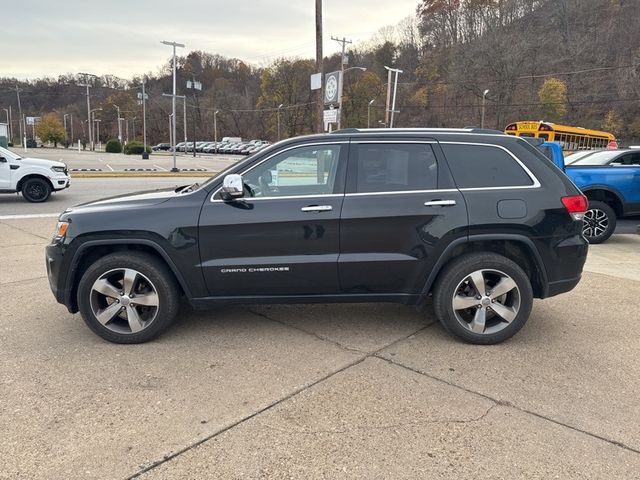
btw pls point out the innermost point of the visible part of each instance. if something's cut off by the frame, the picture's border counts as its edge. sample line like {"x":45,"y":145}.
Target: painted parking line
{"x":163,"y":169}
{"x":106,"y":164}
{"x":32,"y":215}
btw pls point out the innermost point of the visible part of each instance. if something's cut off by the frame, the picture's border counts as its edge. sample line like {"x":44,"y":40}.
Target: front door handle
{"x":317,"y":208}
{"x":440,"y":203}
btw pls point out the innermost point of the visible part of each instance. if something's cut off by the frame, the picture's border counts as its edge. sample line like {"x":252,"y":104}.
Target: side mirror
{"x":232,"y":187}
{"x":3,"y":160}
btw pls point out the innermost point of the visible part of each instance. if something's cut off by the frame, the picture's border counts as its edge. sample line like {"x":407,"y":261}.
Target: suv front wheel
{"x":483,"y":298}
{"x":128,"y":297}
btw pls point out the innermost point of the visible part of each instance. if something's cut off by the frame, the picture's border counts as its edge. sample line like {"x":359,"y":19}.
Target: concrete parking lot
{"x":117,"y":162}
{"x":323,"y":391}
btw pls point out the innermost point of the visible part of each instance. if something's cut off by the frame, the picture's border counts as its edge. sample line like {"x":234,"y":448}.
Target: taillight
{"x":576,"y":205}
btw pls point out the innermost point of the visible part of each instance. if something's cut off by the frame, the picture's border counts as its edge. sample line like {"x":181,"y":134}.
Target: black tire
{"x":36,"y":190}
{"x":599,"y":222}
{"x":451,"y":282}
{"x":150,"y":269}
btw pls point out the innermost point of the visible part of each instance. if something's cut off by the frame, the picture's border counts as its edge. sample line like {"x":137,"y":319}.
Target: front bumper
{"x":60,"y":182}
{"x":54,"y":254}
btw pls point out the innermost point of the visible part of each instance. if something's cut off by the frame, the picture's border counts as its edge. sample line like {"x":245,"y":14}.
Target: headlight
{"x":59,"y":169}
{"x":61,"y":230}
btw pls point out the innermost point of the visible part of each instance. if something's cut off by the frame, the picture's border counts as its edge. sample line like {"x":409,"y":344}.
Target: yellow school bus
{"x":570,"y":138}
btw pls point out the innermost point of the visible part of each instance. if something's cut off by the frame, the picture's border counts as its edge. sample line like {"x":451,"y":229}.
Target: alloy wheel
{"x":486,"y":301}
{"x":595,"y":223}
{"x":124,"y":301}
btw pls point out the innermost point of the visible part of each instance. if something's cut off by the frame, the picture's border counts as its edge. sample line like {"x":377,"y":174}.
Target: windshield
{"x":574,"y":157}
{"x":9,"y":154}
{"x":597,"y":158}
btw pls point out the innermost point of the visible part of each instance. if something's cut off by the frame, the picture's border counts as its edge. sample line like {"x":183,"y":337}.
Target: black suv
{"x":481,"y":221}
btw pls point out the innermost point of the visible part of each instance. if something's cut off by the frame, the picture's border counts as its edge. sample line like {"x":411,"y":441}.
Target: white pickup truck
{"x":35,"y":178}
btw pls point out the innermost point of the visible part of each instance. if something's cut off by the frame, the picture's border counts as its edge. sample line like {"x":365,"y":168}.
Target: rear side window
{"x":394,"y":167}
{"x":484,"y":166}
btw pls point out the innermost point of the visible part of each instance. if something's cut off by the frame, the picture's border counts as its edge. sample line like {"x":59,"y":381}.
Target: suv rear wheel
{"x":128,"y":298}
{"x":599,"y":222}
{"x":483,"y":298}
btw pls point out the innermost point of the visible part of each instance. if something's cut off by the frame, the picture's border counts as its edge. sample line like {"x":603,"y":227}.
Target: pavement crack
{"x":24,"y":280}
{"x":364,"y":356}
{"x":25,"y":231}
{"x":390,"y":426}
{"x":515,"y":407}
{"x":308,"y":332}
{"x":244,"y":419}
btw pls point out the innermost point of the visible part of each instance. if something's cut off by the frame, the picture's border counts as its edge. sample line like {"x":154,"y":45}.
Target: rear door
{"x":400,"y":211}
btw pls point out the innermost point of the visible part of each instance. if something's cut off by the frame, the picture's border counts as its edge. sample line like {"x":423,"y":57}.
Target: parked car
{"x":34,"y":178}
{"x":161,"y":147}
{"x":474,"y":219}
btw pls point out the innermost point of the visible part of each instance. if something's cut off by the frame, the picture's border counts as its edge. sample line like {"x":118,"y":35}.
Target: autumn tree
{"x":613,"y":123}
{"x":51,"y":129}
{"x":553,"y":99}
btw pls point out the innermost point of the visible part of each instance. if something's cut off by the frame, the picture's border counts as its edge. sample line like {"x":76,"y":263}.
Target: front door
{"x":282,"y":238}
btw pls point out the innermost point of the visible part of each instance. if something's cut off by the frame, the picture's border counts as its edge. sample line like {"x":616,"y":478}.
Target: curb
{"x":95,"y":174}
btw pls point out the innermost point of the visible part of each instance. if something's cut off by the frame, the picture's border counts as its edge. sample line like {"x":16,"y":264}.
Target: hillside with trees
{"x":569,"y":61}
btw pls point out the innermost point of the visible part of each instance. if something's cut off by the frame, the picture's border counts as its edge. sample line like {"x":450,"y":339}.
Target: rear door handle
{"x":440,"y":203}
{"x":317,"y":208}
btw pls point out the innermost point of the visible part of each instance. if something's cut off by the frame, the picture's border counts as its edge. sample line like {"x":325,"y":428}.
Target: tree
{"x":613,"y":123}
{"x":553,"y":99}
{"x":51,"y":129}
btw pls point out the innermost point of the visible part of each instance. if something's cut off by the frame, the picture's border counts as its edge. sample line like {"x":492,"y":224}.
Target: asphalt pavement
{"x":320,"y":391}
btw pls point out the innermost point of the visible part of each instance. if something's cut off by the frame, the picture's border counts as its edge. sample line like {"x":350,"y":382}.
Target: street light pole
{"x":215,"y":130}
{"x":6,"y":110}
{"x":97,"y":121}
{"x":369,"y":113}
{"x":173,"y":102}
{"x":119,"y":128}
{"x":144,"y":117}
{"x":93,"y":121}
{"x":484,"y":98}
{"x":397,"y":71}
{"x":279,"y":107}
{"x":88,"y":113}
{"x":64,"y":119}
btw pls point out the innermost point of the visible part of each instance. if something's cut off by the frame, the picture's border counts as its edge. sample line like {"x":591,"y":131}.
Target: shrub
{"x":135,"y":148}
{"x":113,"y":146}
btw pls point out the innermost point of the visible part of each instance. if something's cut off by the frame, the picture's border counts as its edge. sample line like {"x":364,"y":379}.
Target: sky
{"x":48,"y":37}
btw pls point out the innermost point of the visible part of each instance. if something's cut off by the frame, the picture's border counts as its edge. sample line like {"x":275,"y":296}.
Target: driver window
{"x":301,"y":171}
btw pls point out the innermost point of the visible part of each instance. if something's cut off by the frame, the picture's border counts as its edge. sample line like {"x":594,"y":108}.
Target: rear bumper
{"x":562,"y":286}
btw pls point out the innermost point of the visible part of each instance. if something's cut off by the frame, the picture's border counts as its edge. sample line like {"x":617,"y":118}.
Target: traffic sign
{"x":331,"y":115}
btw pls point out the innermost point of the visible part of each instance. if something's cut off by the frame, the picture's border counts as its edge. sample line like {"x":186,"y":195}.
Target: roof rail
{"x":487,"y":131}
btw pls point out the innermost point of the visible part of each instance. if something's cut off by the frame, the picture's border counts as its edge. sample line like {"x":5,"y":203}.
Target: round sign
{"x":331,"y":89}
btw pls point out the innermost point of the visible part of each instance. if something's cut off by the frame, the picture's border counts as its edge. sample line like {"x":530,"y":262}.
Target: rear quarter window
{"x":484,"y":166}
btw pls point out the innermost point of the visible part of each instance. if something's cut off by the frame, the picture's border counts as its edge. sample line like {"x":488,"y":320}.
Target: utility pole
{"x":93,"y":122}
{"x":71,"y":122}
{"x":343,"y":61}
{"x":64,"y":119}
{"x":11,"y":123}
{"x":21,"y":126}
{"x":173,"y":102}
{"x":320,"y":94}
{"x":395,"y":91}
{"x":88,"y":110}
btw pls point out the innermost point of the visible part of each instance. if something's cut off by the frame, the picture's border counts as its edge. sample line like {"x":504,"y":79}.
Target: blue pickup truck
{"x":611,"y":181}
